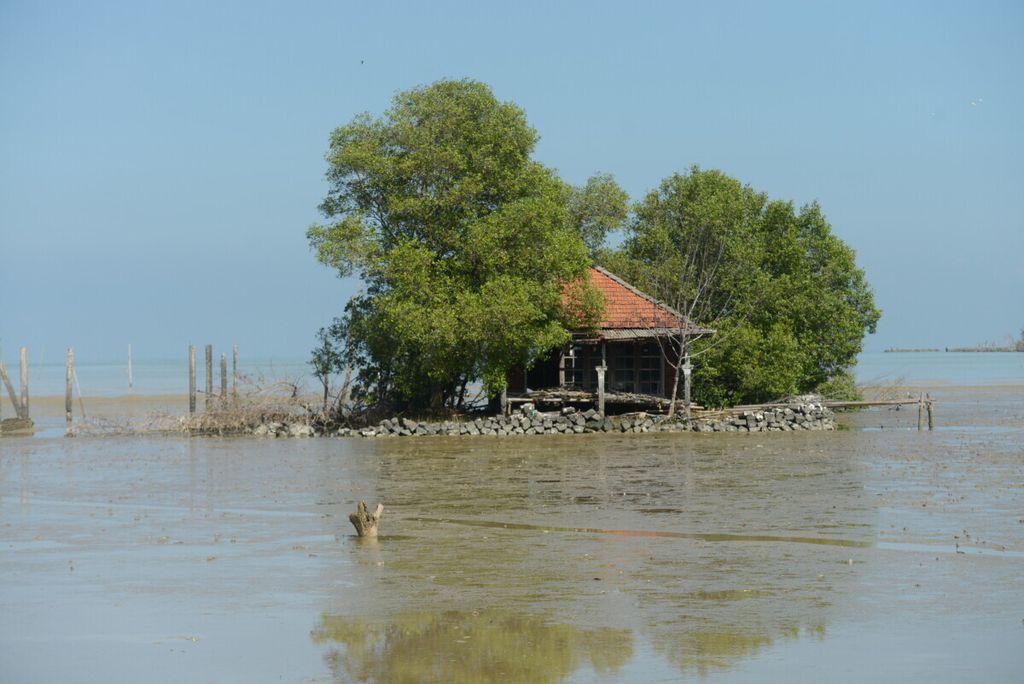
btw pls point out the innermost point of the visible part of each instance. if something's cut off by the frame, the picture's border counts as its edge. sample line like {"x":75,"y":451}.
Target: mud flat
{"x":870,"y":553}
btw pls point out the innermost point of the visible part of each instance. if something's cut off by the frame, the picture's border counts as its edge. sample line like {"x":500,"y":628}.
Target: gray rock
{"x":301,"y":430}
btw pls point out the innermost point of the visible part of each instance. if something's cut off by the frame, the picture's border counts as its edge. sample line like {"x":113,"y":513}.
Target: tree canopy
{"x":474,"y":258}
{"x":787,"y":299}
{"x":466,"y":244}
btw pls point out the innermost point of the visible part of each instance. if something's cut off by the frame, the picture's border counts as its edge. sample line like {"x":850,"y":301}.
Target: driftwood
{"x":366,"y":524}
{"x":558,"y":397}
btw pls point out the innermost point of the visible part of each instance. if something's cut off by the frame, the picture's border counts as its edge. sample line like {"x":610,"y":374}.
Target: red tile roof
{"x":628,"y":307}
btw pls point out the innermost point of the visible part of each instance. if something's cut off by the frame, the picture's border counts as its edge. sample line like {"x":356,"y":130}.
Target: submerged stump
{"x":364,"y":522}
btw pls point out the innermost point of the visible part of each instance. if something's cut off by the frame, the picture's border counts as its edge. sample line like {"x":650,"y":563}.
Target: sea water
{"x":170,"y":376}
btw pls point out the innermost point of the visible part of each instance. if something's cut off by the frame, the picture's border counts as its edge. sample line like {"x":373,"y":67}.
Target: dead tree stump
{"x":366,"y":524}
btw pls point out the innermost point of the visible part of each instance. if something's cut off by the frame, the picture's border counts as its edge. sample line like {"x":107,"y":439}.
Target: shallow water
{"x":876,"y":552}
{"x":98,"y":379}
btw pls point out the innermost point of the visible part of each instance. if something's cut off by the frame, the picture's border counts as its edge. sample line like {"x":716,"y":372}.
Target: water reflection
{"x":704,"y":652}
{"x":683,"y":554}
{"x":468,"y":647}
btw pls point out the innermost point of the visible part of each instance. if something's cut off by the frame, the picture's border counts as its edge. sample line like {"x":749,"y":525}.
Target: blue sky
{"x":160,"y":162}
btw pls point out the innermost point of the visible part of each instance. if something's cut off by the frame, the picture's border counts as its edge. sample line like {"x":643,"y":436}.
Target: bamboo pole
{"x":10,"y":390}
{"x":191,"y":378}
{"x":223,"y":376}
{"x":24,"y":383}
{"x":209,"y":374}
{"x":68,"y":374}
{"x":78,"y":388}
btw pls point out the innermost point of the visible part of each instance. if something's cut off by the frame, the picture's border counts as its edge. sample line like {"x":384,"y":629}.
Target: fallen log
{"x":364,"y":522}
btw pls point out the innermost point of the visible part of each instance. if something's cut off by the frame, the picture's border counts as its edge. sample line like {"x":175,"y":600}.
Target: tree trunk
{"x":364,"y":522}
{"x":675,"y":380}
{"x":675,"y":392}
{"x":436,"y":398}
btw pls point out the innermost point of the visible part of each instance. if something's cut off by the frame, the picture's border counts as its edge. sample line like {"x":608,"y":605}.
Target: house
{"x":628,"y":343}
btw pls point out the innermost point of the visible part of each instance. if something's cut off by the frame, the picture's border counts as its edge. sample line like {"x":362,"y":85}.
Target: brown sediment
{"x":633,"y":556}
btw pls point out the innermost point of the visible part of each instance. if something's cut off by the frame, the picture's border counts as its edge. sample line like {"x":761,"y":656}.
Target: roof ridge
{"x":657,"y":302}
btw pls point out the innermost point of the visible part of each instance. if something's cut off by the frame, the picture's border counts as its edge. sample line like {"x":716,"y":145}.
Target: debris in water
{"x":364,"y":522}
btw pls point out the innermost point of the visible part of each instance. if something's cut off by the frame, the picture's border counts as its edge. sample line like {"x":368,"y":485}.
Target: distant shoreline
{"x":959,"y":350}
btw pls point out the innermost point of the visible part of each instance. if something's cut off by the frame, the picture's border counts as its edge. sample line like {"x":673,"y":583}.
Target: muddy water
{"x":873,"y":553}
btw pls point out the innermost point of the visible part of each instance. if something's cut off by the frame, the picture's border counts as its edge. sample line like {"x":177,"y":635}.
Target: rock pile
{"x":279,"y":429}
{"x":528,"y":421}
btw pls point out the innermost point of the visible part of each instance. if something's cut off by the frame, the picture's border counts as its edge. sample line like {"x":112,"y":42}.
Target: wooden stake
{"x":68,"y":371}
{"x":24,"y":383}
{"x":234,"y":371}
{"x":191,"y":378}
{"x":223,"y":376}
{"x":10,"y":390}
{"x":920,"y":412}
{"x":561,"y":367}
{"x":78,"y":388}
{"x":366,"y":524}
{"x":209,"y":374}
{"x":931,"y":423}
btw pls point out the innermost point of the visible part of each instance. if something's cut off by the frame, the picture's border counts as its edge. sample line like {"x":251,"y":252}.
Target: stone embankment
{"x":528,"y":421}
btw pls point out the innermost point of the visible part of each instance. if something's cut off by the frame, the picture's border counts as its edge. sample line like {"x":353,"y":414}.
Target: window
{"x":650,"y":369}
{"x":622,"y":364}
{"x":580,"y":363}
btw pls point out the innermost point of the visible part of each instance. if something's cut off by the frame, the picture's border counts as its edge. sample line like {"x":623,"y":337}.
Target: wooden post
{"x":600,"y":388}
{"x":130,"y":382}
{"x":234,"y":371}
{"x":209,"y":374}
{"x":504,"y":402}
{"x":561,"y":367}
{"x":223,"y":376}
{"x":920,"y":412}
{"x":68,"y":376}
{"x":10,"y":390}
{"x":191,"y":378}
{"x":24,"y":383}
{"x":931,"y":423}
{"x":366,"y":524}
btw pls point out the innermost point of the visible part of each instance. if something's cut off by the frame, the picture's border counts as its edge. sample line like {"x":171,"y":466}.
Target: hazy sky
{"x":160,"y":162}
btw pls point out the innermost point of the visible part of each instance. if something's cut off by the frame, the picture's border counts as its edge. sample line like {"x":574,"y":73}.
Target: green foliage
{"x":840,"y":387}
{"x":598,"y":208}
{"x":464,"y":242}
{"x":788,"y":301}
{"x":331,"y":355}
